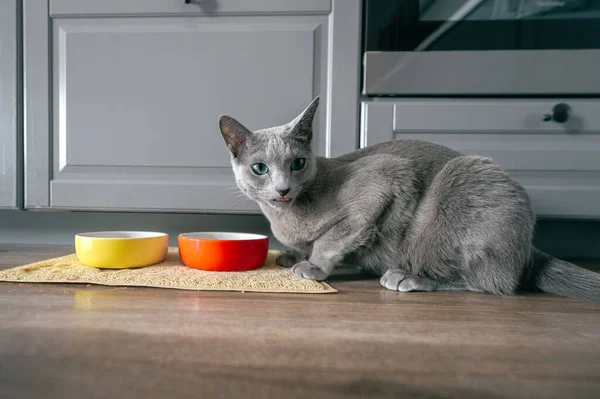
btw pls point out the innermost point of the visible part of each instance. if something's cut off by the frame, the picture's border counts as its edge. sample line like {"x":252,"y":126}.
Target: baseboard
{"x":570,"y":239}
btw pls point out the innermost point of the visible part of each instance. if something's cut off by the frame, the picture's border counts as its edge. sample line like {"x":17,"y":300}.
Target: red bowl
{"x":229,"y":252}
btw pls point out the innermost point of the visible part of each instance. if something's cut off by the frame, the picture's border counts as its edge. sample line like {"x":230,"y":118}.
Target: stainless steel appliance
{"x":481,"y":47}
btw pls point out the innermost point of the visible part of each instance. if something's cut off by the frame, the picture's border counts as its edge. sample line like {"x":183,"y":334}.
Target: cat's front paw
{"x":307,"y":270}
{"x":287,"y":259}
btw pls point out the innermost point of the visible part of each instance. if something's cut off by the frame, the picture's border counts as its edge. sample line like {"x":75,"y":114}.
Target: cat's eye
{"x":298,"y":164}
{"x":260,"y":169}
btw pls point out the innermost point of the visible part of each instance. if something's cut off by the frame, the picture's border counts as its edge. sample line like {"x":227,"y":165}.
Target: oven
{"x":481,"y":48}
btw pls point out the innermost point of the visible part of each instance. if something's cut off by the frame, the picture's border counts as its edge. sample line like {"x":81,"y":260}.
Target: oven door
{"x":481,"y":47}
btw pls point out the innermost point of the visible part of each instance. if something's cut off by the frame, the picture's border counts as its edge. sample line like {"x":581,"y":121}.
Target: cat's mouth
{"x":282,"y":199}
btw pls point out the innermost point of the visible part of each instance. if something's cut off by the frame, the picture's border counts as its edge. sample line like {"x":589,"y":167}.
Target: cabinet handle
{"x":560,"y":113}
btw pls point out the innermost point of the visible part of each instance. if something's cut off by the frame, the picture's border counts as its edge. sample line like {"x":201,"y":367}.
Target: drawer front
{"x":194,"y":7}
{"x":512,"y":132}
{"x":558,"y":163}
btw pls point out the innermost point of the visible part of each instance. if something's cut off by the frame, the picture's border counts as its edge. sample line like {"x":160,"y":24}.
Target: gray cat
{"x":420,"y":215}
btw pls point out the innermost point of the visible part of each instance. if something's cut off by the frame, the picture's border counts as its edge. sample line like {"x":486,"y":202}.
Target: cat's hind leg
{"x":399,"y":280}
{"x":473,"y":228}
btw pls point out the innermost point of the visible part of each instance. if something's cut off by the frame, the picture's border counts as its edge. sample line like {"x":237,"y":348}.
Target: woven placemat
{"x":170,"y":273}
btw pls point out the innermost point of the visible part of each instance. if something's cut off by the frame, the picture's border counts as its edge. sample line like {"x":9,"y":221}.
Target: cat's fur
{"x":420,"y":215}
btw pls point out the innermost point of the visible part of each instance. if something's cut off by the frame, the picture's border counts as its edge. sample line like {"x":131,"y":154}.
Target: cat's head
{"x":272,"y":165}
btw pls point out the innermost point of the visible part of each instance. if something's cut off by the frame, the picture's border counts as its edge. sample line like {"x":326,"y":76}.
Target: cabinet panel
{"x":559,"y":164}
{"x":147,"y":93}
{"x":9,"y":148}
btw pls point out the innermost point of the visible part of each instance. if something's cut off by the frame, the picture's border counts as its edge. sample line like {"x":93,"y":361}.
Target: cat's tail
{"x":558,"y":277}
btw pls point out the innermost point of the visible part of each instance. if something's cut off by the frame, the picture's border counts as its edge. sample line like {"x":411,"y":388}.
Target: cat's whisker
{"x":239,"y":200}
{"x":236,"y":193}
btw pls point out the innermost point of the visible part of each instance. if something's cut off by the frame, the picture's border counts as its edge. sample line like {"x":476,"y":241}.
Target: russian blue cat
{"x":420,"y":215}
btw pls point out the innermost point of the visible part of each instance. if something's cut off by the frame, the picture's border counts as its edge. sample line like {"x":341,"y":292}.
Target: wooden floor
{"x":78,"y":341}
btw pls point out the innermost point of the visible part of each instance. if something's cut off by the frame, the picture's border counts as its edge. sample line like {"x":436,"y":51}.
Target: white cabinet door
{"x":134,"y":94}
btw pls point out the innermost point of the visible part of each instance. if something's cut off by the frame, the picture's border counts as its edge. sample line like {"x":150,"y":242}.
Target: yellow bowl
{"x":121,"y":249}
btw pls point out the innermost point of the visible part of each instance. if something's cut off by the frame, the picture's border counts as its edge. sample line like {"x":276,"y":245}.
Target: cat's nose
{"x":283,"y":192}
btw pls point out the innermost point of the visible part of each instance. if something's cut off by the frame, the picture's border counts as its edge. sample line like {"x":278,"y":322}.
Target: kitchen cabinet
{"x":122,"y":99}
{"x":9,"y":135}
{"x":558,"y":162}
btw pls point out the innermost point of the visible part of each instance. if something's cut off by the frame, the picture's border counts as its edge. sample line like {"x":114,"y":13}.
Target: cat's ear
{"x":302,"y":125}
{"x":234,"y":133}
